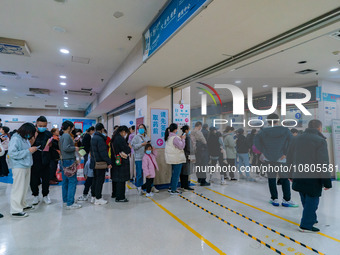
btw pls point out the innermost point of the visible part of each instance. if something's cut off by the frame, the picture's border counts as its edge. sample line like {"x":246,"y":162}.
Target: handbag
{"x":70,"y":170}
{"x":101,"y":165}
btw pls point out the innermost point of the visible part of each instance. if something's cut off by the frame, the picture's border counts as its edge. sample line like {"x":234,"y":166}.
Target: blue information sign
{"x":175,"y":15}
{"x":298,"y":115}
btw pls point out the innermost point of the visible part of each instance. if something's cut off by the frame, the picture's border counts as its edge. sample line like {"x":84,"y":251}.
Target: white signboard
{"x":336,"y":141}
{"x":159,"y":123}
{"x":182,"y":114}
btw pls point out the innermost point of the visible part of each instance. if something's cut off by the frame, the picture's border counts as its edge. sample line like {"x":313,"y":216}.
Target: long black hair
{"x":27,"y":131}
{"x":185,"y":128}
{"x":66,"y":124}
{"x":118,"y":130}
{"x":171,"y":128}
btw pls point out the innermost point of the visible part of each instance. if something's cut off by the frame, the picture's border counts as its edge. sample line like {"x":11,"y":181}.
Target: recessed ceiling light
{"x":64,"y":51}
{"x":62,"y":77}
{"x":63,"y":83}
{"x":334,"y":69}
{"x":237,"y":82}
{"x":4,"y":89}
{"x":232,"y":70}
{"x":265,"y":86}
{"x":8,"y":105}
{"x":65,"y":98}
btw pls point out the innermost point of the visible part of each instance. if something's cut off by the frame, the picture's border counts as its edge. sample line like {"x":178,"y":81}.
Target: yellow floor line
{"x":274,"y":215}
{"x":198,"y":235}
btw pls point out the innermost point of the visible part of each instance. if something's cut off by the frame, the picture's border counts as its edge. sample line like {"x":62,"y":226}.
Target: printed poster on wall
{"x":182,"y":114}
{"x":159,"y":123}
{"x":336,"y":143}
{"x":139,"y":121}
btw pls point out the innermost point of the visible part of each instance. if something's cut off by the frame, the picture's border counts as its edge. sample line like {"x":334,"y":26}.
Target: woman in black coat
{"x":120,"y":172}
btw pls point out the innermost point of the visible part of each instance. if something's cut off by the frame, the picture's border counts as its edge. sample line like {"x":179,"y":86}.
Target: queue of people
{"x":34,"y":154}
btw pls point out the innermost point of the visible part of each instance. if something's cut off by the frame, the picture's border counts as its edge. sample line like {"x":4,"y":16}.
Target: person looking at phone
{"x":4,"y":140}
{"x":138,"y":144}
{"x":40,"y":171}
{"x":20,"y":155}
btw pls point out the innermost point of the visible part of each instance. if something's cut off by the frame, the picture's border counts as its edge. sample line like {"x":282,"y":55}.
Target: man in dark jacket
{"x":242,"y":149}
{"x":40,"y":171}
{"x":310,"y":149}
{"x":273,"y":142}
{"x":87,"y":142}
{"x":99,"y":153}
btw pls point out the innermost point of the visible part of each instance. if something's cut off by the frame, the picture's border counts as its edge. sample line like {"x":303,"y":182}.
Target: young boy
{"x":88,"y":174}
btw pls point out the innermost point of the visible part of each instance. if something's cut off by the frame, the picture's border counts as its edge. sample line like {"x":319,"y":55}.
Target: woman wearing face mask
{"x":184,"y":177}
{"x":20,"y":154}
{"x":174,"y":154}
{"x":138,"y":143}
{"x":120,"y":172}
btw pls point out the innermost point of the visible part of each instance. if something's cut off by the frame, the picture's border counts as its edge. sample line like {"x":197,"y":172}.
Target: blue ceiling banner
{"x":171,"y":19}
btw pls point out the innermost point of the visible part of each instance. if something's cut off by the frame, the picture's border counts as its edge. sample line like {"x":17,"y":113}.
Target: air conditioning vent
{"x":335,"y":35}
{"x":306,"y":71}
{"x":80,"y":60}
{"x":39,"y":91}
{"x":78,"y":92}
{"x":8,"y":74}
{"x":14,"y":47}
{"x":30,"y":95}
{"x":50,"y":106}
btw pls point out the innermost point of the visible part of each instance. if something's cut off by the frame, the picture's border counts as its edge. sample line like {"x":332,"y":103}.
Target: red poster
{"x":139,"y":121}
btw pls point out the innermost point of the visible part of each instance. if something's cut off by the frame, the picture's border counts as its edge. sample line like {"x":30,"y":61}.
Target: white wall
{"x":30,"y":115}
{"x":126,"y":118}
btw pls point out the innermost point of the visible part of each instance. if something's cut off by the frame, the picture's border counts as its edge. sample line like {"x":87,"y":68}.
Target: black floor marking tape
{"x":262,"y":225}
{"x":235,"y":227}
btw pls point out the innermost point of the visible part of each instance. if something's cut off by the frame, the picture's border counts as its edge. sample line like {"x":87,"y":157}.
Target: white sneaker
{"x":154,"y":190}
{"x":73,"y":206}
{"x":139,"y":191}
{"x":47,"y":200}
{"x":100,"y":202}
{"x":274,"y":202}
{"x":223,"y":182}
{"x":149,"y":194}
{"x":289,"y":203}
{"x":93,"y":199}
{"x":35,"y":200}
{"x":83,"y":198}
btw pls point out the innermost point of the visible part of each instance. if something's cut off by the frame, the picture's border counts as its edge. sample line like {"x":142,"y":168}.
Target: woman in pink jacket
{"x":149,"y":165}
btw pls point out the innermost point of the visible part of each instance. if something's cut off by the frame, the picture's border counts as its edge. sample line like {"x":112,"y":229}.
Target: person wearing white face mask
{"x":120,"y":172}
{"x":138,"y":143}
{"x":99,"y":154}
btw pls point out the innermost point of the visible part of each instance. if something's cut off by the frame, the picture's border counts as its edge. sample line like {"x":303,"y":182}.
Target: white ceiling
{"x":279,"y":70}
{"x":225,"y":27}
{"x":91,"y":32}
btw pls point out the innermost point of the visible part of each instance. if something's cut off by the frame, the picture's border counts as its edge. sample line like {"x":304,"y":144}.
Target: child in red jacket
{"x":149,"y":166}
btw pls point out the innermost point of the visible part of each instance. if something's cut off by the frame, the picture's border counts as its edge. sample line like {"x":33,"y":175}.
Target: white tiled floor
{"x":142,"y":227}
